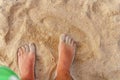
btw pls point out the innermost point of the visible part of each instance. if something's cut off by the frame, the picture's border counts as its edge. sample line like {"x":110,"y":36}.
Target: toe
{"x":19,"y":52}
{"x":67,"y":39}
{"x":32,"y":48}
{"x":27,"y":48}
{"x":62,"y":38}
{"x":74,"y":44}
{"x":70,"y":40}
{"x":23,"y":49}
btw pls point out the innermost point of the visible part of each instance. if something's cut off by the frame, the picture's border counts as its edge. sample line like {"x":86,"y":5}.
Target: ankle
{"x":29,"y":77}
{"x":62,"y":71}
{"x":63,"y":74}
{"x":63,"y":66}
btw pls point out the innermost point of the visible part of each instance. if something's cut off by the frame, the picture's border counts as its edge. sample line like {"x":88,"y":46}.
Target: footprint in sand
{"x":3,"y":29}
{"x":57,"y":26}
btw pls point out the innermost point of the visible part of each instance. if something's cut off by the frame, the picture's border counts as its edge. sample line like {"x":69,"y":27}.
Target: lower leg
{"x":66,"y":55}
{"x":63,"y":75}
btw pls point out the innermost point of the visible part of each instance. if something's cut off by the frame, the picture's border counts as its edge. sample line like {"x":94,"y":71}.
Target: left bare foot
{"x":26,"y":61}
{"x":67,"y":47}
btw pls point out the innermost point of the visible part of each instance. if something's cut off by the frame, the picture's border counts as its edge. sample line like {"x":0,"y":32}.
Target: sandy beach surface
{"x":94,"y":24}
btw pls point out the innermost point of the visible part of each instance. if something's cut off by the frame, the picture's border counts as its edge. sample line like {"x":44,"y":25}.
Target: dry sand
{"x":94,"y":24}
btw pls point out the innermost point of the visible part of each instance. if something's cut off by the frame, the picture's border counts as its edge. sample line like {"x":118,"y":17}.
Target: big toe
{"x":62,"y":37}
{"x":32,"y":48}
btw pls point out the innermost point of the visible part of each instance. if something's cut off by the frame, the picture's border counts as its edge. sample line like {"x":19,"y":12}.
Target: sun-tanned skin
{"x":67,"y":47}
{"x":26,"y":61}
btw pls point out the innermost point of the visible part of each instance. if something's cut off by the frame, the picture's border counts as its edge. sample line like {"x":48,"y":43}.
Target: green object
{"x":7,"y":74}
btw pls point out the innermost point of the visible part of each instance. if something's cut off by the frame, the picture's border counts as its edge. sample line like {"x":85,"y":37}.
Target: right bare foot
{"x":67,"y":47}
{"x":26,"y":61}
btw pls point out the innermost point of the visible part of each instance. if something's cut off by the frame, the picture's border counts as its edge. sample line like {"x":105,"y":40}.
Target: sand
{"x":94,"y":24}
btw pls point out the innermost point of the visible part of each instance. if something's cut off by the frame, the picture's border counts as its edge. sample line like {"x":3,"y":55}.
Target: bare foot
{"x":67,"y":47}
{"x":26,"y":61}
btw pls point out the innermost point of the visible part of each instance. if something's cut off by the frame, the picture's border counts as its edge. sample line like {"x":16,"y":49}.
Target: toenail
{"x":32,"y":47}
{"x":22,"y":47}
{"x":67,"y":39}
{"x":19,"y":54}
{"x":19,"y":51}
{"x":27,"y":48}
{"x":70,"y":40}
{"x":62,"y":37}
